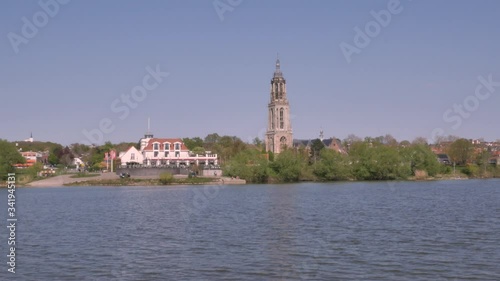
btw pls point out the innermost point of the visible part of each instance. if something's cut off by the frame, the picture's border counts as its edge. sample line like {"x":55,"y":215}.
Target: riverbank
{"x":110,"y":179}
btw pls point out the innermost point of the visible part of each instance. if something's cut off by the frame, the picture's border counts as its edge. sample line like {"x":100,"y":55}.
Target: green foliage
{"x":250,"y":165}
{"x":198,"y":150}
{"x":271,"y":156}
{"x":460,"y":151}
{"x":471,"y":170}
{"x":8,"y":157}
{"x":289,"y":166}
{"x":191,"y":144}
{"x":226,"y":146}
{"x":332,"y":166}
{"x":421,"y":158}
{"x":166,"y":178}
{"x":377,"y":162}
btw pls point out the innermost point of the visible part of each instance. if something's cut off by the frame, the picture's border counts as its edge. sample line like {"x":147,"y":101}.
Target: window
{"x":132,"y":156}
{"x":283,"y":142}
{"x":155,"y":146}
{"x":177,"y":146}
{"x":156,"y":154}
{"x":167,"y":147}
{"x":272,"y":119}
{"x":177,"y":154}
{"x":166,"y":153}
{"x":282,"y":123}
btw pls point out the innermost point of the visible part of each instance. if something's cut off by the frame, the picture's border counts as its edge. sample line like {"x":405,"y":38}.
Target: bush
{"x":471,"y":170}
{"x":166,"y":178}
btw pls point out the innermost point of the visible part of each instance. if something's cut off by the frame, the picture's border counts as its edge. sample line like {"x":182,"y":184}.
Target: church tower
{"x":279,"y":130}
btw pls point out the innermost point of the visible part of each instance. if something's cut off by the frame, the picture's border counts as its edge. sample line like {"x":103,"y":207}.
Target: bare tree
{"x":389,"y":140}
{"x":419,"y":140}
{"x":351,"y":138}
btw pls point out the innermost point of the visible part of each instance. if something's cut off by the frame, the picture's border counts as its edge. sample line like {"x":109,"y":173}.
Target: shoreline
{"x":107,"y":180}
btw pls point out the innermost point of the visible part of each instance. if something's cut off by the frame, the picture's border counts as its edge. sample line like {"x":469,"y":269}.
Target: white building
{"x":164,"y":151}
{"x":78,"y":162}
{"x":131,"y":156}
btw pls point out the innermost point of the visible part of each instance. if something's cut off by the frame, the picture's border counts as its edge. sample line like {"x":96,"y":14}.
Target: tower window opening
{"x":281,"y":119}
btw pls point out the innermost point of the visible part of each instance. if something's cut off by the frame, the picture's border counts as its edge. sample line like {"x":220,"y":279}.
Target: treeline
{"x":364,"y":161}
{"x":380,"y":158}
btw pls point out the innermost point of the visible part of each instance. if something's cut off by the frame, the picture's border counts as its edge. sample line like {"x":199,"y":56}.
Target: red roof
{"x":161,"y":141}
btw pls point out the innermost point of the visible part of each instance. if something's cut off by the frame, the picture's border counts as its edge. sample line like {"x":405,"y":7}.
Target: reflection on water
{"x":345,"y":231}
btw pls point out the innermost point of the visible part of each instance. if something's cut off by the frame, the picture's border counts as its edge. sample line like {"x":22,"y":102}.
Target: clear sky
{"x":87,"y":54}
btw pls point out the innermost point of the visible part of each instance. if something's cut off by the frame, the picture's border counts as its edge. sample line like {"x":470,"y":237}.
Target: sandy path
{"x":66,"y":179}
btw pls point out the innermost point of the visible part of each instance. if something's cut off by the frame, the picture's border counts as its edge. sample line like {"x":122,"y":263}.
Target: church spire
{"x":279,"y":129}
{"x":277,"y":72}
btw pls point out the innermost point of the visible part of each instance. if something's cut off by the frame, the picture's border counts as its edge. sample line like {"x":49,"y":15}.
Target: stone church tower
{"x":279,"y":129}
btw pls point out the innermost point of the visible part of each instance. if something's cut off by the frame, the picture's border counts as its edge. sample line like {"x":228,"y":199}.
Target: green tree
{"x":198,"y":150}
{"x":420,"y":157}
{"x":316,"y":146}
{"x":249,"y":164}
{"x":191,"y":144}
{"x":377,"y":162}
{"x":289,"y":166}
{"x":8,"y":157}
{"x":332,"y":166}
{"x":461,"y":151}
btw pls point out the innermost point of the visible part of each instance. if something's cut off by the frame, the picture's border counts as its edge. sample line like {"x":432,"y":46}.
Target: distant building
{"x":330,"y":143}
{"x":279,"y":129}
{"x":131,"y":157}
{"x":30,"y":139}
{"x":32,"y":157}
{"x":164,"y":151}
{"x":78,"y":162}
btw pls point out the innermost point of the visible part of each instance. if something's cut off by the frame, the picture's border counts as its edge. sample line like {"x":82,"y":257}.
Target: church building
{"x":279,"y":129}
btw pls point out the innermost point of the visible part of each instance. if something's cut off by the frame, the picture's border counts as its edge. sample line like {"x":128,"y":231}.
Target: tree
{"x":389,"y":140}
{"x":8,"y":157}
{"x":212,"y":138}
{"x":404,"y":143}
{"x":316,"y":146}
{"x":352,"y":138}
{"x":460,"y":151}
{"x":258,"y":143}
{"x":192,"y":143}
{"x":420,"y":157}
{"x":332,"y":166}
{"x":79,"y":149}
{"x":249,"y":164}
{"x":419,"y":140}
{"x":198,"y":150}
{"x":289,"y":166}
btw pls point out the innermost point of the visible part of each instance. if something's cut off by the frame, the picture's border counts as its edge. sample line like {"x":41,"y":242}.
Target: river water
{"x":447,"y":230}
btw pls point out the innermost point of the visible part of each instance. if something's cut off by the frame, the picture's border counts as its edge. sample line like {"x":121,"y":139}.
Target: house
{"x":443,"y":159}
{"x":331,"y":143}
{"x":131,"y":157}
{"x":164,"y":151}
{"x":78,"y":162}
{"x":32,"y":157}
{"x":334,"y":144}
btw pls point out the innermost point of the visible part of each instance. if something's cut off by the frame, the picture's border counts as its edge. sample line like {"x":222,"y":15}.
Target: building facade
{"x":279,"y":129}
{"x":156,"y":152}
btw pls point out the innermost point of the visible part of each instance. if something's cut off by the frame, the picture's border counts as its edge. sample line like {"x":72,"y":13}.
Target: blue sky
{"x":423,"y":62}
